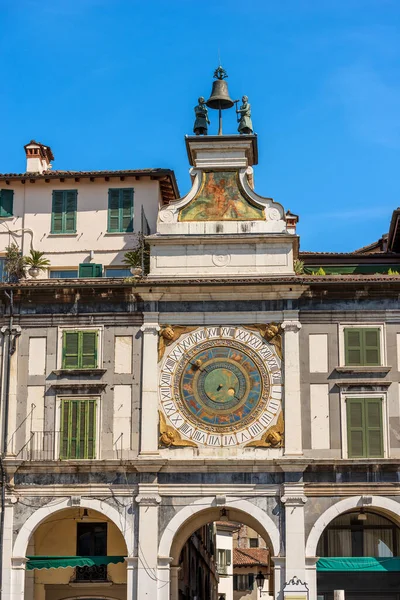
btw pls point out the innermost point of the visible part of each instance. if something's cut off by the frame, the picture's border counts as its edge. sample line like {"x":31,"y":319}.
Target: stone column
{"x":7,"y":548}
{"x":279,"y":576}
{"x":166,"y":574}
{"x":292,"y":404}
{"x":147,"y":578}
{"x":174,"y":583}
{"x":149,"y":404}
{"x":131,"y":577}
{"x":311,"y":576}
{"x":17,"y":579}
{"x":294,"y":499}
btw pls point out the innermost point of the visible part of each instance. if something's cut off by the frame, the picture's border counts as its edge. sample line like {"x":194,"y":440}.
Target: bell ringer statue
{"x":245,"y":124}
{"x":201,"y":123}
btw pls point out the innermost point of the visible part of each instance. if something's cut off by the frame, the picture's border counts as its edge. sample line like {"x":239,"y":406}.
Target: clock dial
{"x":220,"y":386}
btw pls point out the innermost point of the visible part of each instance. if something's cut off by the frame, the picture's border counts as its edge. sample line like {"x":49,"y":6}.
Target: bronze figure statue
{"x":201,"y":123}
{"x":245,"y":124}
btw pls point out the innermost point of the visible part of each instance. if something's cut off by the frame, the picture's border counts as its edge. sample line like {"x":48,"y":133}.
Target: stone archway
{"x":190,"y":518}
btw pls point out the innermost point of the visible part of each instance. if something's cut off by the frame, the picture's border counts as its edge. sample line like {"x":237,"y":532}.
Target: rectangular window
{"x":364,"y":427}
{"x":254,"y":542}
{"x":78,"y":429}
{"x":243,"y":582}
{"x":362,"y":346}
{"x":120,"y":210}
{"x":79,"y":350}
{"x":64,"y":274}
{"x":90,"y":270}
{"x":2,"y":272}
{"x":91,"y":540}
{"x":63,"y":215}
{"x":117,"y":272}
{"x":6,"y":203}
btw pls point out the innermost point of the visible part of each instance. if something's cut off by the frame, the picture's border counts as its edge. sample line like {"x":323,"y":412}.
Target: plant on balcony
{"x":36,"y":262}
{"x":319,"y":272}
{"x":298,"y":266}
{"x":392,"y":272}
{"x":138,"y":259}
{"x":14,"y":264}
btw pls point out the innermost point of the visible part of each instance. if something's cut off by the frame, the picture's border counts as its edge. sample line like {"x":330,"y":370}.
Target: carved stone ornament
{"x":171,"y":437}
{"x":293,"y":326}
{"x":272,"y":332}
{"x":169,"y":334}
{"x":272,"y":438}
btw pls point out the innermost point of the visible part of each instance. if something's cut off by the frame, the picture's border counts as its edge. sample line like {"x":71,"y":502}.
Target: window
{"x":64,"y":274}
{"x":364,"y":427}
{"x":348,"y":535}
{"x":6,"y":203}
{"x":78,"y":428}
{"x":120,"y":210}
{"x":3,"y":275}
{"x":63,"y":216}
{"x":243,"y":582}
{"x":224,"y":560}
{"x":117,"y":272}
{"x":90,"y":270}
{"x":362,"y":346}
{"x":91,"y":540}
{"x":254,"y":542}
{"x":79,"y":349}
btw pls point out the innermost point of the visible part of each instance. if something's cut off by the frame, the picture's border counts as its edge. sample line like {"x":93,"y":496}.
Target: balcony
{"x":97,"y":573}
{"x":222,"y":570}
{"x":41,"y":445}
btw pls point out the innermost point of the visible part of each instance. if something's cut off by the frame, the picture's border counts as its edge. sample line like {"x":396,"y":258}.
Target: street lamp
{"x":260,"y":581}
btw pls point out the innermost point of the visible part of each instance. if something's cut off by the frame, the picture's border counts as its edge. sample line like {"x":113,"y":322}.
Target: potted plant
{"x":36,"y":262}
{"x":14,"y":264}
{"x":138,"y":258}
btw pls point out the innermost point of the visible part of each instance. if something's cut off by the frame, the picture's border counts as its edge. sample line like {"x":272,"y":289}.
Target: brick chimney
{"x":38,"y":157}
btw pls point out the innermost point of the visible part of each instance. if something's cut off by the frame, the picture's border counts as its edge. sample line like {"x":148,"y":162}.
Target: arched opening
{"x":218,"y":552}
{"x":359,"y":552}
{"x":76,"y":553}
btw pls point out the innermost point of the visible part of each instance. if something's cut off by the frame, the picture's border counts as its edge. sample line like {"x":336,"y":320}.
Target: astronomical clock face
{"x":219,"y":386}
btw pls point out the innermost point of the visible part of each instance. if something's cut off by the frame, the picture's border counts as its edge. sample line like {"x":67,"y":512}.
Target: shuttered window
{"x":120,"y":210}
{"x":90,"y":270}
{"x":79,"y":350}
{"x":78,"y":428}
{"x":362,"y":346}
{"x":6,"y":203}
{"x":63,"y":216}
{"x":364,"y":427}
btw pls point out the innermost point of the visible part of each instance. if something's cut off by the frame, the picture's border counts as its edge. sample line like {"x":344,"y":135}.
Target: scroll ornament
{"x":170,"y":436}
{"x":273,"y":437}
{"x":168,"y":335}
{"x":272,"y":333}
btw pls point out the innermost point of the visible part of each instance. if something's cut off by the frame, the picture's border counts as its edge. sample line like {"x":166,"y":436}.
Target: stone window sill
{"x":363,"y":370}
{"x":79,"y":372}
{"x":62,"y":234}
{"x":111,"y":233}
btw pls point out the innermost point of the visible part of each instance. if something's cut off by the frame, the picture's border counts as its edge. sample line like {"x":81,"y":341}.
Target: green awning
{"x":352,"y":269}
{"x":358,"y":563}
{"x":62,"y":562}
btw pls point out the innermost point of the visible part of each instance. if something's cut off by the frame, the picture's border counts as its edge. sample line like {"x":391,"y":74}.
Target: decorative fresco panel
{"x":221,"y":199}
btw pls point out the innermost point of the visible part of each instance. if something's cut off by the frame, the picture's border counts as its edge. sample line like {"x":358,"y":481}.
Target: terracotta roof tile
{"x":250,"y":557}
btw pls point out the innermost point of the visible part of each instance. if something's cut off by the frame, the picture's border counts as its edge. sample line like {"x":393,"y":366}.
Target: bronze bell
{"x":219,"y":98}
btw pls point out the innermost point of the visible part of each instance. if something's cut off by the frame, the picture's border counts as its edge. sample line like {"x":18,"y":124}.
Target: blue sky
{"x":111,"y":84}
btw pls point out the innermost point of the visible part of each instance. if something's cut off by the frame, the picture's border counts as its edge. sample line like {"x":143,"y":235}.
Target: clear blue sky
{"x":111,"y":84}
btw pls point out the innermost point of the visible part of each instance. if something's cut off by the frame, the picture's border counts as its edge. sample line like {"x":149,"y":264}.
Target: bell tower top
{"x":215,"y":151}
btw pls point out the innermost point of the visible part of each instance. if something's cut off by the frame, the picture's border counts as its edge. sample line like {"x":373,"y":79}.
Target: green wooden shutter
{"x":374,"y":429}
{"x":113,"y":210}
{"x":98,"y":271}
{"x":70,"y":206}
{"x":127,"y":209}
{"x":228,"y":557}
{"x":372,"y":347}
{"x":6,"y":203}
{"x":235,"y":583}
{"x":90,"y":270}
{"x":251,"y":581}
{"x":88,"y":349}
{"x":356,"y":428}
{"x":70,"y":350}
{"x":78,"y":429}
{"x":353,"y":346}
{"x":57,"y":212}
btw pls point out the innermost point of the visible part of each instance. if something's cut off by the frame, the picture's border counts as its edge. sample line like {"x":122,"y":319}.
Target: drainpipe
{"x":10,"y":349}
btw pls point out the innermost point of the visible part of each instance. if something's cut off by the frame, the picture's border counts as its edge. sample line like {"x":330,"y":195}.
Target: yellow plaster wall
{"x":57,"y":536}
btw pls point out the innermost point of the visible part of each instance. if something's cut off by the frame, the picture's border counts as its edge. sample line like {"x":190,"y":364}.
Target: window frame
{"x":72,"y":270}
{"x":58,"y":418}
{"x":382,"y":341}
{"x":110,"y":268}
{"x":3,"y":214}
{"x":385,"y":425}
{"x":63,"y":213}
{"x":94,"y":328}
{"x":120,"y":211}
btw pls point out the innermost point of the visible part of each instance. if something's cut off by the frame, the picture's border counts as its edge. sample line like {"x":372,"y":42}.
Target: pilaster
{"x":294,"y":499}
{"x":147,"y":578}
{"x":131,"y":577}
{"x":293,"y":425}
{"x":149,"y":421}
